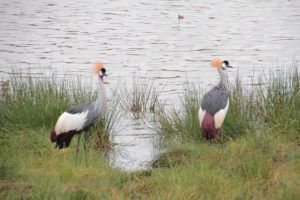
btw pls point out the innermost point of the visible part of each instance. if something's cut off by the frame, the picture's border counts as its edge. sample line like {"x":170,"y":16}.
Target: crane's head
{"x":100,"y":70}
{"x":218,"y":63}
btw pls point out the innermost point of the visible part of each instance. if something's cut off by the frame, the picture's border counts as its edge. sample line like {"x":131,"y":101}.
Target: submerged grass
{"x":143,"y":96}
{"x":260,"y":160}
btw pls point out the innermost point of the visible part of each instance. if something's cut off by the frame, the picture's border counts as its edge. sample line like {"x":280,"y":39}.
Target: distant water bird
{"x":215,"y":103}
{"x":80,"y":118}
{"x":180,"y":17}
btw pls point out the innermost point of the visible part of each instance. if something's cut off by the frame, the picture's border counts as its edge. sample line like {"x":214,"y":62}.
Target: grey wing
{"x":90,"y":118}
{"x":79,"y":108}
{"x":92,"y":115}
{"x":214,"y":100}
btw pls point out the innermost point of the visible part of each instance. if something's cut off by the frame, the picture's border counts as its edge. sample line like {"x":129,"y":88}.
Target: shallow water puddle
{"x":136,"y":142}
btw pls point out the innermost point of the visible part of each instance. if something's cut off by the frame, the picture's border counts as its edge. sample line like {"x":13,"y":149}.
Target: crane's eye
{"x":226,"y":62}
{"x":103,"y":70}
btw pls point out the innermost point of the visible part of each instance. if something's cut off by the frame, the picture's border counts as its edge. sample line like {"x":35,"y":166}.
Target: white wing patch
{"x":67,"y":122}
{"x":220,"y":116}
{"x":201,"y":115}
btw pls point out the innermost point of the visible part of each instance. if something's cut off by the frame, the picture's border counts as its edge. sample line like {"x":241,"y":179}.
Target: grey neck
{"x":223,"y":78}
{"x":100,"y":103}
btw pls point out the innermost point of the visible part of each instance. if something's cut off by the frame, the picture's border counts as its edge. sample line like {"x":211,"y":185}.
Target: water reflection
{"x":136,"y":143}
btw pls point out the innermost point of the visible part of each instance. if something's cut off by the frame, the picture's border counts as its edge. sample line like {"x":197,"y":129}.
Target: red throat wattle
{"x":101,"y":78}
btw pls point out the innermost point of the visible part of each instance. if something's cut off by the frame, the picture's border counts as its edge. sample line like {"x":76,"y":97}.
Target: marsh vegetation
{"x":260,"y":159}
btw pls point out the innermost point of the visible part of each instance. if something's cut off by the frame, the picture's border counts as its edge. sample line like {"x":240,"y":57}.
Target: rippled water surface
{"x":145,"y":38}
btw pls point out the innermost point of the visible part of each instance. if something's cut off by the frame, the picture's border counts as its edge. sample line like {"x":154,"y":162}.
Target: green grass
{"x":273,"y":104}
{"x":36,"y":102}
{"x":260,"y":159}
{"x":143,"y":96}
{"x":260,"y":167}
{"x":182,"y":124}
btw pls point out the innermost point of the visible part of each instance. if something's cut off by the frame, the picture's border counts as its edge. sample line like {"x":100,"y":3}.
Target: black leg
{"x":77,"y":147}
{"x":85,"y":147}
{"x":64,"y":151}
{"x":222,"y":135}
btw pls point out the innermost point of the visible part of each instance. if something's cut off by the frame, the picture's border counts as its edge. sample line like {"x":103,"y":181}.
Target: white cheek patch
{"x":224,"y":66}
{"x":68,"y":122}
{"x":220,"y":116}
{"x":201,"y":115}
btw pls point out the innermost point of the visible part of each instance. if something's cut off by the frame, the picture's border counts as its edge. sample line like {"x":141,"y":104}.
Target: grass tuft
{"x":172,"y":158}
{"x":274,"y":105}
{"x":182,"y":124}
{"x":143,"y":96}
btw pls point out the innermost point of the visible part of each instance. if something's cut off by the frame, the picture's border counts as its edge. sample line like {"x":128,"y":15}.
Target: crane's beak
{"x":229,"y":66}
{"x":101,"y":77}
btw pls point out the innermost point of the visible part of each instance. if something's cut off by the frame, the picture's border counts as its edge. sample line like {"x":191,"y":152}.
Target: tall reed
{"x":36,"y":102}
{"x":279,"y":100}
{"x":275,"y":104}
{"x":182,"y":123}
{"x":143,"y":96}
{"x":108,"y":125}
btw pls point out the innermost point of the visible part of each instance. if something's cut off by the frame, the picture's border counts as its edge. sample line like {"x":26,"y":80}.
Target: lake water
{"x":146,"y":38}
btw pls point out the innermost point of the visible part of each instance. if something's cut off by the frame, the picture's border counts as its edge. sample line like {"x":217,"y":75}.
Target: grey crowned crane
{"x":215,"y":103}
{"x":80,"y":118}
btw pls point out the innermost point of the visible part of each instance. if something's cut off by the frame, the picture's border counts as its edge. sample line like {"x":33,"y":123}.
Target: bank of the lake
{"x":260,"y":158}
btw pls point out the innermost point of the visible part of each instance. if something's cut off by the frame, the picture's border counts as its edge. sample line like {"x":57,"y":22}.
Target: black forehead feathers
{"x":226,"y":62}
{"x":103,"y":70}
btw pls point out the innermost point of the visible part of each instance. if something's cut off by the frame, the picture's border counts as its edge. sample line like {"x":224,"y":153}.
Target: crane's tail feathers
{"x":62,"y":140}
{"x":53,"y":136}
{"x":208,"y":129}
